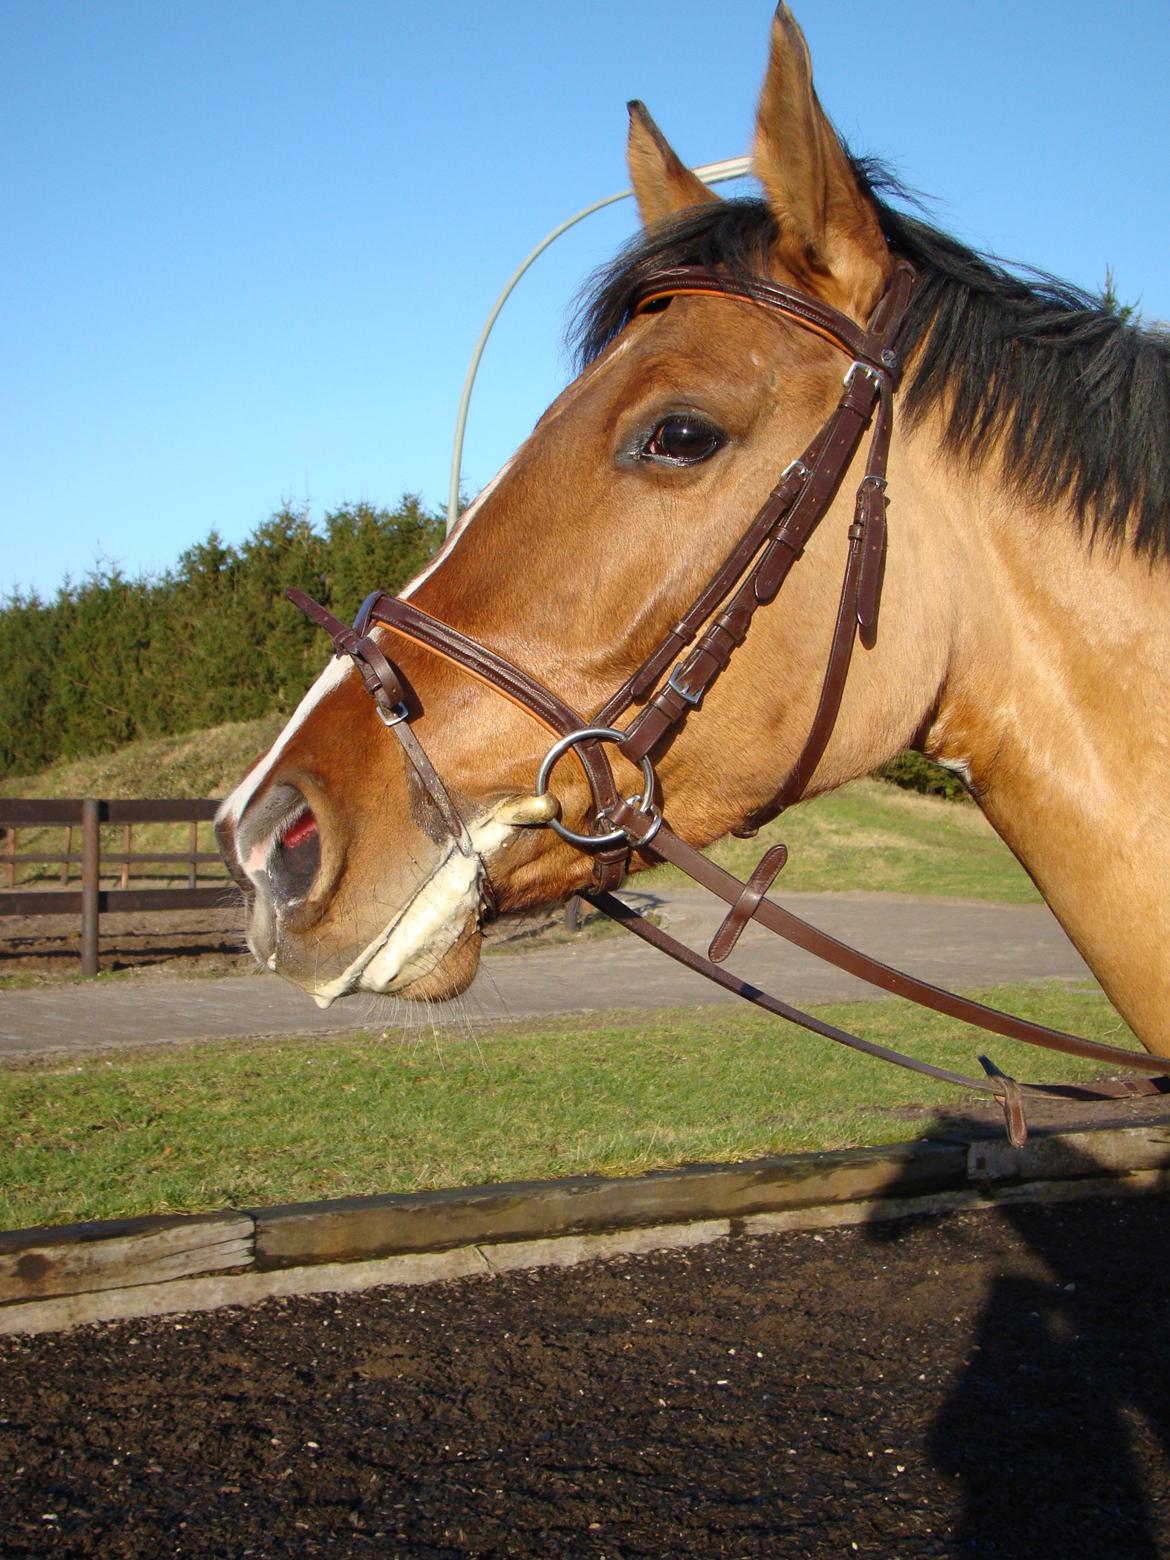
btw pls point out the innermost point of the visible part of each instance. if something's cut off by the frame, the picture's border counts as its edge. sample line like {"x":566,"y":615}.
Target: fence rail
{"x":30,"y":812}
{"x":91,"y":900}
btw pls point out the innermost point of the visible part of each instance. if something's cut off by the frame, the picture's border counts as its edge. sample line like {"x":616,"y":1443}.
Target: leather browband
{"x":874,"y":345}
{"x":707,"y":635}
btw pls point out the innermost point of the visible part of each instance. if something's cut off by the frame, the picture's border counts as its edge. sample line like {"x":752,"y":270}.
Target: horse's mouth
{"x":430,"y":949}
{"x":450,"y":973}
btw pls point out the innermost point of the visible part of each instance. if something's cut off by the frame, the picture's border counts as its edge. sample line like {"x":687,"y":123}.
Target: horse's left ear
{"x":830,"y":238}
{"x":662,"y":182}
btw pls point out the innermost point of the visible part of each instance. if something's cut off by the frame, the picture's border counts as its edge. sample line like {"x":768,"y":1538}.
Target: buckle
{"x":685,"y":694}
{"x":866,"y":368}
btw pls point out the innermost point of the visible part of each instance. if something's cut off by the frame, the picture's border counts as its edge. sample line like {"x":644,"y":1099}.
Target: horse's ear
{"x":662,"y":183}
{"x":830,"y":238}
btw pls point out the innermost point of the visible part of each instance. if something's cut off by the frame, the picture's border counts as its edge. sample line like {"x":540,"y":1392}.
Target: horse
{"x":1012,"y":519}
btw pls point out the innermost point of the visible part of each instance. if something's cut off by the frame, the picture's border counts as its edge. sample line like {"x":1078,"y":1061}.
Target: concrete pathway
{"x":948,"y":943}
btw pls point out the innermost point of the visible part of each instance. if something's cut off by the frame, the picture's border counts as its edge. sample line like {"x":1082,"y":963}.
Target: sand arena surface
{"x":992,"y":1384}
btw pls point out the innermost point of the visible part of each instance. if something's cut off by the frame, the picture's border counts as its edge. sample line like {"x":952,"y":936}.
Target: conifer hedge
{"x":113,"y":658}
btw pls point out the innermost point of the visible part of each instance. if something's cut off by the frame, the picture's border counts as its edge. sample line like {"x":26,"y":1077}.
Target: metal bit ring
{"x":645,"y":803}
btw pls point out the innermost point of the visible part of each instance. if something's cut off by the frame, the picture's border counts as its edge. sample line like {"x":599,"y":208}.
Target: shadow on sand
{"x":1058,"y":1426}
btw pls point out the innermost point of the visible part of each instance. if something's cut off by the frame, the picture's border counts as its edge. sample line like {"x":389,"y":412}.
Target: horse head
{"x":365,"y":867}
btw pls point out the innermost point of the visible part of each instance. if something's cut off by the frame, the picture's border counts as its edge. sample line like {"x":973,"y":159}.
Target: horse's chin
{"x":436,"y":972}
{"x":451,"y":975}
{"x":428,"y":950}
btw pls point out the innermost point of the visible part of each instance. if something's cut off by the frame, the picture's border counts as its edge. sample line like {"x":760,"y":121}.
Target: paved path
{"x":952,"y":944}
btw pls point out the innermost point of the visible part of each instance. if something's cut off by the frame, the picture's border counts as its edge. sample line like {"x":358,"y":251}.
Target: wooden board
{"x":1071,"y":1155}
{"x":57,"y":1277}
{"x":529,"y":1210}
{"x":157,"y":1252}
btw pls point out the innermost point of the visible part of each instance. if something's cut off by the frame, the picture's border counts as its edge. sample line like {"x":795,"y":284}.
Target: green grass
{"x":252,"y":1123}
{"x":874,"y":837}
{"x":198,"y":763}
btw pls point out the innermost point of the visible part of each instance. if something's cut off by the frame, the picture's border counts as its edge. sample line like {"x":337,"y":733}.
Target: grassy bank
{"x":874,"y":837}
{"x":200,"y":763}
{"x":253,"y":1123}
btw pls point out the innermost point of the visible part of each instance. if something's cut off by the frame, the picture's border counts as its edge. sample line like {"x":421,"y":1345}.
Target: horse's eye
{"x":683,"y":439}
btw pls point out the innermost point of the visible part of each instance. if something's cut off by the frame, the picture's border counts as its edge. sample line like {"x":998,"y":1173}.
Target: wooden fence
{"x":90,"y":900}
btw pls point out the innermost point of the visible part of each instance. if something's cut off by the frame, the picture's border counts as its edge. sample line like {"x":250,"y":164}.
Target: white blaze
{"x":233,"y":807}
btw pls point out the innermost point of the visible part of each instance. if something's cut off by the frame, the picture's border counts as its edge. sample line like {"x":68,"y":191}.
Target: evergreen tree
{"x":211,"y":640}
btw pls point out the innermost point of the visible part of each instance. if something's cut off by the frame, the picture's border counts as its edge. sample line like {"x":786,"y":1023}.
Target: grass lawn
{"x":873,"y":836}
{"x":251,"y":1123}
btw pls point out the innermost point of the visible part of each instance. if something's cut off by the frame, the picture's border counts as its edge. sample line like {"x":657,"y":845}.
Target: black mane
{"x":1079,"y":396}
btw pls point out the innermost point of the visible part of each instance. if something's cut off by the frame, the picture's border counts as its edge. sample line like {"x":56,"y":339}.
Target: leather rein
{"x":697,"y":649}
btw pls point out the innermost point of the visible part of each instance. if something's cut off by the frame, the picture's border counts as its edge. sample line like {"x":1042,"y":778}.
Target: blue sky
{"x":246,"y":249}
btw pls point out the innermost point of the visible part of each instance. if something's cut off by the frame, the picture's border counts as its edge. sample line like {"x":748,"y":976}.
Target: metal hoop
{"x":645,"y":803}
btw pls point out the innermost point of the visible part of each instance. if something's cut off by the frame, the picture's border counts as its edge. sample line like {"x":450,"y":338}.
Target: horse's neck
{"x":1054,"y":702}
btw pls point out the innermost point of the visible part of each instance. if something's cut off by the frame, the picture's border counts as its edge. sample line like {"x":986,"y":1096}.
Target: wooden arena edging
{"x":59,"y":1277}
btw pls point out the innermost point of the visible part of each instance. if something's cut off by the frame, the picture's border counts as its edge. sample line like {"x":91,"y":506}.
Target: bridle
{"x":697,"y":649}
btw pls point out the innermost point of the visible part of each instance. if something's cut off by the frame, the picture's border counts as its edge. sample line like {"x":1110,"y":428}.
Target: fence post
{"x":193,"y":845}
{"x":11,"y":838}
{"x":91,"y":866}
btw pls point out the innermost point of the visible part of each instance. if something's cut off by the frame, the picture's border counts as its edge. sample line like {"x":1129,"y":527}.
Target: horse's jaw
{"x":428,"y":950}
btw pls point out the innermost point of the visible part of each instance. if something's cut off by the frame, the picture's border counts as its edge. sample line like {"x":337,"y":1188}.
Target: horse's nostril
{"x":279,"y":846}
{"x":295,"y":858}
{"x":300,"y":831}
